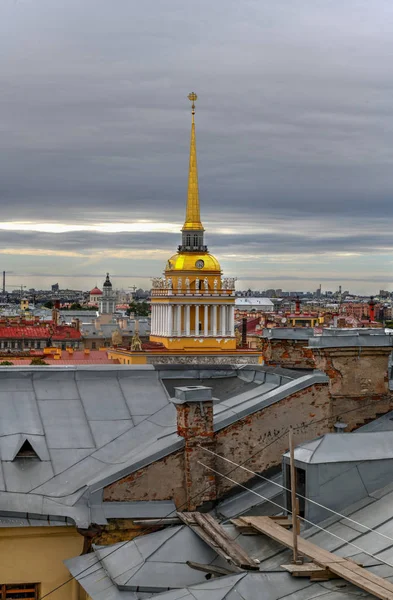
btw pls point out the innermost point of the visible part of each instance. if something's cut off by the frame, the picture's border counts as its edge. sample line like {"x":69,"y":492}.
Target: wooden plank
{"x":236,"y":552}
{"x":341,"y":566}
{"x":306,"y":568}
{"x":311,"y":570}
{"x":244,"y":529}
{"x":207,"y":528}
{"x":379,"y":590}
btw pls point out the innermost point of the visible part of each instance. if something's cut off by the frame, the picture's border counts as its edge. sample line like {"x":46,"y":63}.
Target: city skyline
{"x":294,"y":141}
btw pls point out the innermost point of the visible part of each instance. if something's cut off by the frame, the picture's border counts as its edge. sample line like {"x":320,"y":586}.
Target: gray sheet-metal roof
{"x":288,"y":333}
{"x":92,"y":425}
{"x":247,"y":502}
{"x":346,"y":447}
{"x":159,"y":559}
{"x":356,"y":339}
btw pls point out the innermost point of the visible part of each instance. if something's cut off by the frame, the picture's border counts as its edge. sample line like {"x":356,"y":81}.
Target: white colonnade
{"x":175,"y":320}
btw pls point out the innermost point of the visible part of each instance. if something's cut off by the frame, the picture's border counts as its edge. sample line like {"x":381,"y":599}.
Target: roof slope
{"x":346,"y":447}
{"x":92,"y":425}
{"x":159,"y":559}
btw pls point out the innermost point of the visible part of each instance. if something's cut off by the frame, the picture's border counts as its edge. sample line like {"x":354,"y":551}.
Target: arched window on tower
{"x":188,"y":240}
{"x":195,"y":239}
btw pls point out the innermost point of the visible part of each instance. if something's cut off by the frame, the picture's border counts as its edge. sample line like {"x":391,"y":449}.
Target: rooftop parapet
{"x":355,"y":339}
{"x":288,"y":333}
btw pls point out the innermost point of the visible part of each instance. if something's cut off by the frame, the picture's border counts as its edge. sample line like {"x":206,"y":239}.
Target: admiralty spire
{"x":193,"y":305}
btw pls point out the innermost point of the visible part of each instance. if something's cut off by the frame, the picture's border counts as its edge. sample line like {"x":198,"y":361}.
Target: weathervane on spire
{"x":193,"y":98}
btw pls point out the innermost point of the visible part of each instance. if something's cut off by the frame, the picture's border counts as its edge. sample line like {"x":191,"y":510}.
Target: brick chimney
{"x":194,"y":406}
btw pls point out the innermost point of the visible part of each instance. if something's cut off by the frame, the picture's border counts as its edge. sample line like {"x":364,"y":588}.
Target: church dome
{"x":193,"y":261}
{"x":96,"y":292}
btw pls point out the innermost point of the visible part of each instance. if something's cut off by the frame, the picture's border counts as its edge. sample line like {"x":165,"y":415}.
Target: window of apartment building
{"x":19,"y":590}
{"x":93,"y":345}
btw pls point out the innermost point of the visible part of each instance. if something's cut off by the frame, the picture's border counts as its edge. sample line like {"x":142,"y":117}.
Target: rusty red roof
{"x":64,"y":332}
{"x":23,"y":332}
{"x":96,"y":292}
{"x":39,"y":332}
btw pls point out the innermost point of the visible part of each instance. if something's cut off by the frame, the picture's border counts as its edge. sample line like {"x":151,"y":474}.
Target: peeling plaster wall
{"x":257,"y":433}
{"x":355,"y":372}
{"x":288,"y":353}
{"x":162,"y":480}
{"x":166,"y":479}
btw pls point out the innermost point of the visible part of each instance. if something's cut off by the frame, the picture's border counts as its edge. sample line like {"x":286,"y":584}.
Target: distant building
{"x":107,"y":301}
{"x":254,"y":304}
{"x":95,"y":295}
{"x":55,"y":288}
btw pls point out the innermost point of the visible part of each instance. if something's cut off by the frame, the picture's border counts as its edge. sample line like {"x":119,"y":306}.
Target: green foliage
{"x":140,"y":309}
{"x":6,"y":363}
{"x":49,"y":304}
{"x":37,"y":361}
{"x":75,"y":306}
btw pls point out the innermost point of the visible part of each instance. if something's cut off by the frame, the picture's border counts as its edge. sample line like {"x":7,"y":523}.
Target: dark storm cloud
{"x":294,"y":120}
{"x":251,"y":244}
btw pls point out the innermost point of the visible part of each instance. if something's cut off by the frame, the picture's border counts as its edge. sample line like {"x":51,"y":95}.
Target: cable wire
{"x":185,"y":504}
{"x":370,"y":529}
{"x":302,"y":518}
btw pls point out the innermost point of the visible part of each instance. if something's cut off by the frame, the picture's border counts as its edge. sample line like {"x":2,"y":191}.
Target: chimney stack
{"x":244,"y":332}
{"x":194,"y":407}
{"x":371,"y":305}
{"x":297,"y":305}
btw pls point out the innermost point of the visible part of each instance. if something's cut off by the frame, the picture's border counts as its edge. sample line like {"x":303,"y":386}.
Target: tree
{"x":37,"y":361}
{"x":140,"y":309}
{"x":49,"y":304}
{"x":6,"y":363}
{"x":75,"y":306}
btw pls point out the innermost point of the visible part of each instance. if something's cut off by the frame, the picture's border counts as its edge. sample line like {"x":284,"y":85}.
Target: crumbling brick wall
{"x":167,"y":478}
{"x":288,"y":353}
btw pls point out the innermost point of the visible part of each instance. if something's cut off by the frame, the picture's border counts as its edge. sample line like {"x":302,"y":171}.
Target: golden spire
{"x":193,"y":218}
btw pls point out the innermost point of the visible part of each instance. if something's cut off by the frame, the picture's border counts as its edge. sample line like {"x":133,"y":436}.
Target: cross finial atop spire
{"x":193,"y":98}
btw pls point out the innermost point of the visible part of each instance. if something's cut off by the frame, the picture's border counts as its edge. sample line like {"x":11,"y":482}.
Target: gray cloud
{"x":294,"y":122}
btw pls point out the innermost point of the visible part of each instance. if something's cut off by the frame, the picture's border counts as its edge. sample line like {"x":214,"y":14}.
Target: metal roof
{"x":159,"y":560}
{"x":346,"y":447}
{"x":253,"y":301}
{"x":92,"y":425}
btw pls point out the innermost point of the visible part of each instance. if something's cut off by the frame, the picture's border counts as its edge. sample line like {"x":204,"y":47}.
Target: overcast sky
{"x":294,"y":138}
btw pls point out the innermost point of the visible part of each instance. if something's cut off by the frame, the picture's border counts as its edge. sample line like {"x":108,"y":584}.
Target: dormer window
{"x":26,"y":451}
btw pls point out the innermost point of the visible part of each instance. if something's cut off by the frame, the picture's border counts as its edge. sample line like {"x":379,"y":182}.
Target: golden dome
{"x":193,"y":261}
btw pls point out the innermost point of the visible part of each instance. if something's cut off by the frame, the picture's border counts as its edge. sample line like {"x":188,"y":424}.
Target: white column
{"x":232,"y":320}
{"x":197,"y":319}
{"x":178,"y":318}
{"x":160,"y":320}
{"x":206,"y":319}
{"x":214,"y":318}
{"x":223,"y":315}
{"x":170,"y":319}
{"x":187,"y":319}
{"x":165,"y":319}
